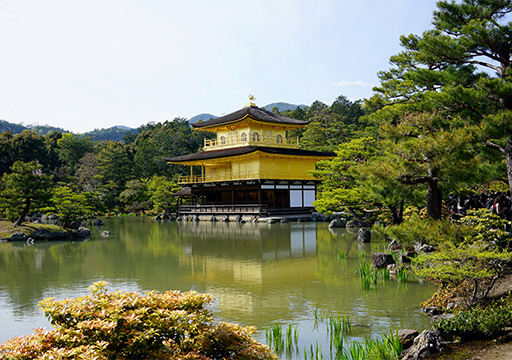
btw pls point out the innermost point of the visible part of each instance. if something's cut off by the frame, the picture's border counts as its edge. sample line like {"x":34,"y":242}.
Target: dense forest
{"x":130,"y":175}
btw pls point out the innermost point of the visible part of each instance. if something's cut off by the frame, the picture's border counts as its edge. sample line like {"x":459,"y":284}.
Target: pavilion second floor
{"x":251,"y":169}
{"x":249,"y":163}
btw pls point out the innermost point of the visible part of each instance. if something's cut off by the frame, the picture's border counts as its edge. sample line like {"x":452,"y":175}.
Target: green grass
{"x":7,"y":228}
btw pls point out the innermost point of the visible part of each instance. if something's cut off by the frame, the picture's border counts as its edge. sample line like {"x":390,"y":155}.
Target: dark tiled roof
{"x":186,"y":191}
{"x":216,"y":154}
{"x":254,"y":112}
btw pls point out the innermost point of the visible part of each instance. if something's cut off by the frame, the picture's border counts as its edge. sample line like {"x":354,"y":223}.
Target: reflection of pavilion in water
{"x":250,"y":241}
{"x":246,"y":265}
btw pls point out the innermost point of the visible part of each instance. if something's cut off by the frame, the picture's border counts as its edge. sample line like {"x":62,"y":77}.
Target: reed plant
{"x":318,"y":316}
{"x":368,"y":274}
{"x":387,"y":348}
{"x":402,"y":275}
{"x":315,"y":352}
{"x":342,"y":255}
{"x":338,"y":328}
{"x":282,"y":341}
{"x":384,"y":273}
{"x":274,"y":336}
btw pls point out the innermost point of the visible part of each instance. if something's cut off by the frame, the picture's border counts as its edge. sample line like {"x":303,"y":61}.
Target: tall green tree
{"x":30,"y":146}
{"x":115,"y":168}
{"x":6,"y":151}
{"x":71,"y":149}
{"x":361,"y":176}
{"x":135,"y":196}
{"x":87,"y":173}
{"x":425,"y":153}
{"x":70,"y":206}
{"x":161,"y":190}
{"x":23,"y":189}
{"x":350,"y":111}
{"x":156,"y":141}
{"x":461,"y":69}
{"x":325,"y":131}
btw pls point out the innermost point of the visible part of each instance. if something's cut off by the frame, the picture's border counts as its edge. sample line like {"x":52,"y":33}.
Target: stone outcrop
{"x":19,"y":236}
{"x":364,"y":235}
{"x":382,"y":260}
{"x":353,"y":224}
{"x":81,"y":233}
{"x":419,"y":248}
{"x":42,"y":235}
{"x":337,"y":223}
{"x":428,"y":343}
{"x":46,"y":235}
{"x":406,"y":337}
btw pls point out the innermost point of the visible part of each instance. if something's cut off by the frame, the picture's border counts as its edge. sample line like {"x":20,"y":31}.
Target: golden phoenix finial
{"x":251,"y":97}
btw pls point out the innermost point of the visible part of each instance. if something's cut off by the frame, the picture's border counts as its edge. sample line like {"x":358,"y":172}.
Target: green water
{"x":258,"y":273}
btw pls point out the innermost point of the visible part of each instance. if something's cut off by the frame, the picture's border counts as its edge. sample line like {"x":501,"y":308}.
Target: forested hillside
{"x":129,"y":174}
{"x":282,"y":106}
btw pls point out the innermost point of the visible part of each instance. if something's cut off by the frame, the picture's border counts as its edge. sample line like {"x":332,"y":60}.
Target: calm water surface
{"x":258,"y":273}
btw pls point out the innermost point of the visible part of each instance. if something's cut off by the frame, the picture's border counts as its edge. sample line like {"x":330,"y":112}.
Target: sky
{"x":85,"y":65}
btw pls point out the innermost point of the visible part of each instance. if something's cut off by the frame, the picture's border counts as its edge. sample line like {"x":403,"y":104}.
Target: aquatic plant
{"x":368,"y":274}
{"x":387,"y":348}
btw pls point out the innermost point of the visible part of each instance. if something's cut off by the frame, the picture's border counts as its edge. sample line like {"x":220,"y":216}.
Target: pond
{"x":294,"y":274}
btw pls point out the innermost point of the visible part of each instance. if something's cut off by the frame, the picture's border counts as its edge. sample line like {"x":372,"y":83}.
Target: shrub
{"x":425,"y":230}
{"x":483,"y":225}
{"x":477,"y":264}
{"x":111,"y":325}
{"x":478,"y":321}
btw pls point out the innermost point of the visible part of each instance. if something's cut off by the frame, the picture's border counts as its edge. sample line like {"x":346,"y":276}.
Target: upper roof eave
{"x":253,"y":112}
{"x":225,"y":153}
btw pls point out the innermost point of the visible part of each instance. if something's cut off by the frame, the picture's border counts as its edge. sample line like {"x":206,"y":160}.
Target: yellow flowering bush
{"x":128,"y":325}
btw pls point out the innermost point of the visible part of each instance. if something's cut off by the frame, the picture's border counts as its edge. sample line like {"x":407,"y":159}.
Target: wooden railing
{"x":229,"y":142}
{"x":224,"y":209}
{"x":252,"y":175}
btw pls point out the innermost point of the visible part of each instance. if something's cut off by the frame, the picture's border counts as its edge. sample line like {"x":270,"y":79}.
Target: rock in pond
{"x":352,"y":224}
{"x":428,"y":343}
{"x":364,"y":235}
{"x":19,"y":236}
{"x":337,"y":223}
{"x":407,"y":336}
{"x":382,"y":260}
{"x":82,"y":232}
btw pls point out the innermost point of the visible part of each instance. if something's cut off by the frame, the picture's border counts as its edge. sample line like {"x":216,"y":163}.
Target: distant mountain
{"x":203,"y":117}
{"x":122,"y":127}
{"x":18,"y":128}
{"x":7,"y":126}
{"x":282,"y":106}
{"x":46,"y":129}
{"x":118,"y":132}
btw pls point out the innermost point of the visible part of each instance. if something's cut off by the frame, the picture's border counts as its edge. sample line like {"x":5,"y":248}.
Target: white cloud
{"x":352,"y":83}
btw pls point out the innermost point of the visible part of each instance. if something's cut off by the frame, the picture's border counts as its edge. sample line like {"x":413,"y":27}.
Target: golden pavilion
{"x":251,"y":167}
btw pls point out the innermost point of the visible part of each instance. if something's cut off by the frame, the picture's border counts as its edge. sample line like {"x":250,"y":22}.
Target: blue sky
{"x":81,"y":65}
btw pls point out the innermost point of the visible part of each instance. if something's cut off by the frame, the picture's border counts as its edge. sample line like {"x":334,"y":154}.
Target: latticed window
{"x":279,"y":139}
{"x":255,"y":137}
{"x":243,"y":137}
{"x":223,"y":140}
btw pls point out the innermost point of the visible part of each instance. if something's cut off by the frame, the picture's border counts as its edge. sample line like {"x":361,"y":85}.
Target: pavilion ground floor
{"x":249,"y":197}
